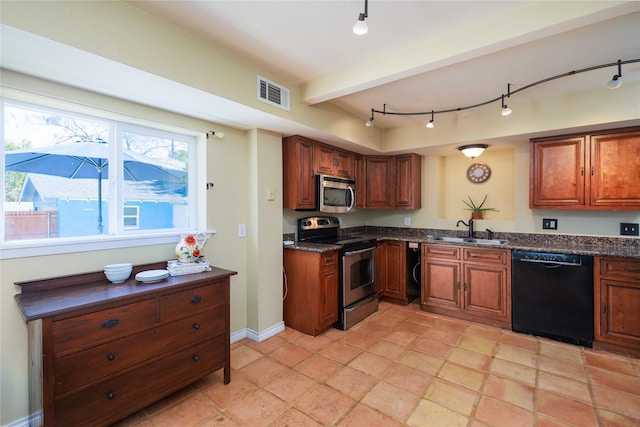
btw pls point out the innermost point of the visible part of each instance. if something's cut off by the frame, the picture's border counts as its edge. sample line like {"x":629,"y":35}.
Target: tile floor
{"x":402,"y":366}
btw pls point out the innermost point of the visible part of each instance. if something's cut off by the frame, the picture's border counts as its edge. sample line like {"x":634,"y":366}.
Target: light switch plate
{"x":549,"y":224}
{"x":242,"y":230}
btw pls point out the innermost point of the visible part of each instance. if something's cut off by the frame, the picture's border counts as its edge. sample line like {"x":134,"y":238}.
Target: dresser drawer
{"x":626,"y":267}
{"x":185,"y":303}
{"x":94,"y":327}
{"x":98,"y":362}
{"x":107,"y":401}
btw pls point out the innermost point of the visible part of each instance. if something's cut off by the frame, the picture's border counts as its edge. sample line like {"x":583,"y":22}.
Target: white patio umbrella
{"x":88,"y":160}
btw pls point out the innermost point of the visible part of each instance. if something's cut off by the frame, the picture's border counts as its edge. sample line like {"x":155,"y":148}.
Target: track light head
{"x":505,"y":109}
{"x":360,"y":27}
{"x":369,"y":122}
{"x":218,"y":135}
{"x":616,"y":81}
{"x":430,"y":125}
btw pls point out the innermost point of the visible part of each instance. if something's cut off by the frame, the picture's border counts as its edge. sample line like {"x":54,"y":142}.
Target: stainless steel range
{"x":357,"y":290}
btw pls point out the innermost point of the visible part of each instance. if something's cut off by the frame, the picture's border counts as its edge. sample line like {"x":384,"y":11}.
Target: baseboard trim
{"x":257,"y":336}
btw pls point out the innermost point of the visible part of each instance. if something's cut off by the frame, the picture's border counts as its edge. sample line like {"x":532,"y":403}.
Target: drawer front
{"x":90,"y":365}
{"x":191,"y":301}
{"x":626,"y":267}
{"x":114,"y":399}
{"x":329,"y":260}
{"x":491,"y":256}
{"x":441,"y":251}
{"x":105,"y":324}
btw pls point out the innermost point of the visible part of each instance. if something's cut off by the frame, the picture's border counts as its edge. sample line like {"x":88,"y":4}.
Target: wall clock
{"x":478,"y":173}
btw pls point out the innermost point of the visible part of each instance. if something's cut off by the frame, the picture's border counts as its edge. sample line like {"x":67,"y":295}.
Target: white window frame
{"x":119,"y":237}
{"x":136,"y":216}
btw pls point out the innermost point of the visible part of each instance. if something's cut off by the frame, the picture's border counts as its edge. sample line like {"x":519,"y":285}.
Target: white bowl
{"x":118,"y":277}
{"x":118,"y":267}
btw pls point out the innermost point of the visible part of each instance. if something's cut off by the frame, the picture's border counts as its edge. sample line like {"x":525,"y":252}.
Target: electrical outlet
{"x":407,"y":221}
{"x":628,"y":229}
{"x":549,"y":224}
{"x":242,"y":230}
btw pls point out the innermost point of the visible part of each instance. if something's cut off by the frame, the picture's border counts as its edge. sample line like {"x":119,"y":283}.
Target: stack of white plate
{"x":118,"y":273}
{"x":152,"y":276}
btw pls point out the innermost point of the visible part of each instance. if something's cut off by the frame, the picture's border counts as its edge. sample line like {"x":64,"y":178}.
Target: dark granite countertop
{"x":566,"y":244}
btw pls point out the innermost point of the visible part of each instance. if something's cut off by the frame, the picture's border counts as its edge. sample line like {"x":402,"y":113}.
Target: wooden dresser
{"x":100,"y":351}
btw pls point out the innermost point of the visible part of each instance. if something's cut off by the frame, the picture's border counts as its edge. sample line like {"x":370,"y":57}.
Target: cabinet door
{"x":379,"y":181}
{"x":619,"y":307}
{"x":395,"y":262}
{"x":485,"y":291}
{"x":441,"y":283}
{"x":344,"y":164}
{"x":329,"y":293}
{"x":557,"y":173}
{"x":615,"y":170}
{"x":408,"y":191}
{"x":324,"y":159}
{"x":359,"y":174}
{"x":299,"y":183}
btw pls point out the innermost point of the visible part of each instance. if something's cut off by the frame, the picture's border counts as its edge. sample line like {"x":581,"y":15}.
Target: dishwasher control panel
{"x":543,"y":257}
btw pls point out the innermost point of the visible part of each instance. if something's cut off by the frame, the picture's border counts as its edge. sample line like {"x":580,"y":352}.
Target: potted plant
{"x":477,"y":210}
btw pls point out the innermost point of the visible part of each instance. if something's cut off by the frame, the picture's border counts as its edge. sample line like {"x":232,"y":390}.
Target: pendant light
{"x":616,"y":81}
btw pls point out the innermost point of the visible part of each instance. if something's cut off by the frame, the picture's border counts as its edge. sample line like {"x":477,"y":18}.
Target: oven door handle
{"x":361,"y":251}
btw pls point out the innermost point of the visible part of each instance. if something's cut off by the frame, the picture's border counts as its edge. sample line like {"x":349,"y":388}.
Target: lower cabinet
{"x":311,"y":287}
{"x":100,"y":352}
{"x":391,"y":271}
{"x":467,"y":282}
{"x":617,"y":304}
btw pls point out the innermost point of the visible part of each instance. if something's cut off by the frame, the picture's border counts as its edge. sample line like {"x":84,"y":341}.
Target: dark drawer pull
{"x":111,"y":356}
{"x":632,"y":269}
{"x":196,"y":326}
{"x":196,"y":358}
{"x":110,"y":323}
{"x":111,"y":395}
{"x":196,"y":299}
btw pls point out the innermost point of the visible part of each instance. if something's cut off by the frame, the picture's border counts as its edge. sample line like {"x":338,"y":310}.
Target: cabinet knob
{"x":110,"y":323}
{"x":196,"y":299}
{"x":196,"y":326}
{"x":196,"y":358}
{"x":111,"y":356}
{"x":111,"y":395}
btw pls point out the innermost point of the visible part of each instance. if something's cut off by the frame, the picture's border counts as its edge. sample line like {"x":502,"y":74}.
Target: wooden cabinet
{"x":594,"y":171}
{"x":379,"y":182}
{"x":391,"y":271}
{"x":408,"y":181}
{"x":299,"y":180}
{"x":617,"y":304}
{"x":100,"y":351}
{"x":467,"y":282}
{"x":331,"y":161}
{"x":360,"y":175}
{"x":311,"y":302}
{"x":394,"y":182}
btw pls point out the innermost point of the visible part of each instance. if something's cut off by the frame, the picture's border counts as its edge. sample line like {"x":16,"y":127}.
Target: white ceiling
{"x":419,"y":55}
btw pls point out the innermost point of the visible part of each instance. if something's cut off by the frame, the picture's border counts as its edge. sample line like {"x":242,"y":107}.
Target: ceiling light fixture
{"x":614,"y":83}
{"x":430,"y":124}
{"x":369,"y":122}
{"x":360,"y":27}
{"x":218,"y":135}
{"x":472,"y":150}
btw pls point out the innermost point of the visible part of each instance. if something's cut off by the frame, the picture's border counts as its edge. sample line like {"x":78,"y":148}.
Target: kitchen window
{"x":71,"y":176}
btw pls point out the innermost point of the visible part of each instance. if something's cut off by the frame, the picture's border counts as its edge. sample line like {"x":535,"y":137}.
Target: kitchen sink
{"x":451,"y":239}
{"x":471,"y":240}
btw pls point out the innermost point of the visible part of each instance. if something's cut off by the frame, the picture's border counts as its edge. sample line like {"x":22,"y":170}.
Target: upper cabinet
{"x":381,"y":181}
{"x":595,"y":171}
{"x":331,"y":161}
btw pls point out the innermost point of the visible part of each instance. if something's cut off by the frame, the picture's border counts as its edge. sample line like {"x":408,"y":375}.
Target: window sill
{"x":31,"y":248}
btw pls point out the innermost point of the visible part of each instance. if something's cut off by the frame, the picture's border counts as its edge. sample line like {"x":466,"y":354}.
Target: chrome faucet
{"x":470,"y":225}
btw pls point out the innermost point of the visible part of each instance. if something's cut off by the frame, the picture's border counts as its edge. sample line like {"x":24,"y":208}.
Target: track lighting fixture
{"x":369,"y":122}
{"x":360,"y":27}
{"x":472,"y":150}
{"x":218,"y":135}
{"x":615,"y":82}
{"x":430,"y":124}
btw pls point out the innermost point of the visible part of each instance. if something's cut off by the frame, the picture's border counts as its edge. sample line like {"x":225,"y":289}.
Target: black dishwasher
{"x":552,"y":296}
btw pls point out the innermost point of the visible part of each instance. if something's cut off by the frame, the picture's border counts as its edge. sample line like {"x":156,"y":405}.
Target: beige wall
{"x":245,"y":162}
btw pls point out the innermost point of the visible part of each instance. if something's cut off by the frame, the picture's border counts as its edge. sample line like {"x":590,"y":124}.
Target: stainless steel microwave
{"x":335,"y":194}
